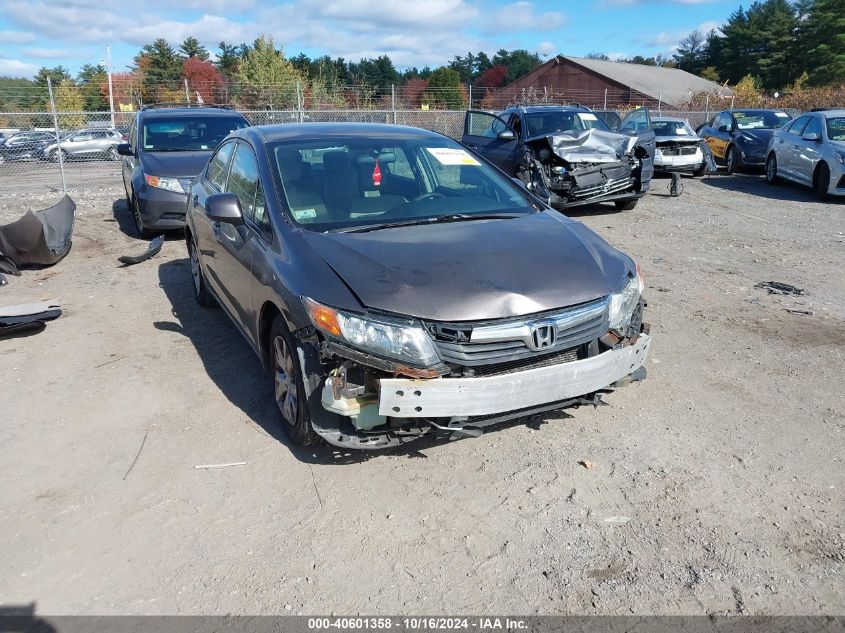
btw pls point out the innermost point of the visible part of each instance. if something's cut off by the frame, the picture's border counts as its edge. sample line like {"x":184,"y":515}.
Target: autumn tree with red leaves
{"x":203,"y":78}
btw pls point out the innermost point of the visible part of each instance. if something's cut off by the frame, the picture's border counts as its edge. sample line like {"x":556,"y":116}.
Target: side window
{"x":484,"y":124}
{"x":814,"y":126}
{"x":798,"y":125}
{"x":260,"y":213}
{"x":516,"y":124}
{"x":133,"y":139}
{"x":401,"y":166}
{"x":723,"y":120}
{"x":243,"y":179}
{"x":217,"y":166}
{"x":82,"y":136}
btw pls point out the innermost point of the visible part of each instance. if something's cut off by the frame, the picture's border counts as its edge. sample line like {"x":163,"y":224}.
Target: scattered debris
{"x":153,"y":248}
{"x":137,"y":455}
{"x":804,"y":312}
{"x":28,"y":316}
{"x":617,"y":520}
{"x":207,"y":466}
{"x":779,"y":288}
{"x":3,"y":280}
{"x":586,"y":463}
{"x":39,"y":238}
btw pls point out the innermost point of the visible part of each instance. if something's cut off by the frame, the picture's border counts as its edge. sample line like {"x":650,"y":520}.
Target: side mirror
{"x":812,"y":136}
{"x":724,"y":128}
{"x":506,"y":135}
{"x":224,"y":207}
{"x":124,"y":149}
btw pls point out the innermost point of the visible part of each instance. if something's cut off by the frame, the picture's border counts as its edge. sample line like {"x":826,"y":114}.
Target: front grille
{"x":524,"y":364}
{"x":681,"y":150}
{"x":609,"y":187}
{"x":503,"y":341}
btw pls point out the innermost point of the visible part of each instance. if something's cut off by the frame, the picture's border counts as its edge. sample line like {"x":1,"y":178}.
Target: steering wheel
{"x":428,"y":196}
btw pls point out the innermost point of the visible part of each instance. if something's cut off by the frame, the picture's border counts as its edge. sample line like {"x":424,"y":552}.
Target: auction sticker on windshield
{"x":451,"y":156}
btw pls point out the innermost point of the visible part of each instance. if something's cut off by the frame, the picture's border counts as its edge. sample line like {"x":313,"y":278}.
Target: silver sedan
{"x":810,"y":150}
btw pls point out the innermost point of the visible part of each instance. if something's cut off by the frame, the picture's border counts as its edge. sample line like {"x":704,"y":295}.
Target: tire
{"x":626,"y":205}
{"x":821,"y":181}
{"x":698,"y":173}
{"x":143,"y":232}
{"x":2,"y":159}
{"x":732,"y":160}
{"x":772,"y":170}
{"x":201,"y":292}
{"x":288,"y":388}
{"x":111,"y":153}
{"x":54,"y":156}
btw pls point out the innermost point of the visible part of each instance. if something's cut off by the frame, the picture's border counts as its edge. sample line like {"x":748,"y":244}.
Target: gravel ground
{"x":716,"y":487}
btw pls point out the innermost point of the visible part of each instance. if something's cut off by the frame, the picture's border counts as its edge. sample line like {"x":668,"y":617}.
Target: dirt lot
{"x":717,"y":484}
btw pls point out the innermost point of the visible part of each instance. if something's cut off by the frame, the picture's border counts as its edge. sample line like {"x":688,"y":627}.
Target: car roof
{"x":261,"y":134}
{"x":831,"y":113}
{"x":757,"y":110}
{"x":197,"y":112}
{"x":668,"y":119}
{"x":546,"y":108}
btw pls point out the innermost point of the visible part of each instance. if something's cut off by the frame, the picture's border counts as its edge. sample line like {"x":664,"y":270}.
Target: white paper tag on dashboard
{"x":452,"y":156}
{"x":305,"y":214}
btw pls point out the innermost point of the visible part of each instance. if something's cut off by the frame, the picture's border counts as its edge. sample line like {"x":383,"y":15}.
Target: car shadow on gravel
{"x":755,"y":185}
{"x":230,"y":362}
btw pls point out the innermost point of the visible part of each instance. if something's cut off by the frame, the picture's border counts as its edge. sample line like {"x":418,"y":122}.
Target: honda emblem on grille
{"x":543,"y":336}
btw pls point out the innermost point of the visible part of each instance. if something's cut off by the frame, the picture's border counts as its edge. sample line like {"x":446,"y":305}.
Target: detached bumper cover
{"x":449,"y":397}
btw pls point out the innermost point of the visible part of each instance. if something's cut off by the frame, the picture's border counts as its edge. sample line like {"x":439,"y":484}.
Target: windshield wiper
{"x":441,"y":219}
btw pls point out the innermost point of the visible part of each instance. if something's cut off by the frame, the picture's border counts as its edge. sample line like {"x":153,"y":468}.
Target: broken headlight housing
{"x":398,"y":339}
{"x":624,"y":303}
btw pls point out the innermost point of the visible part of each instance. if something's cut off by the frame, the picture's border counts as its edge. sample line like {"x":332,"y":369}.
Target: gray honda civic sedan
{"x":396,"y":284}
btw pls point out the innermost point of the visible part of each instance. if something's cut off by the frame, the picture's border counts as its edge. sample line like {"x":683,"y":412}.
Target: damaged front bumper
{"x":488,"y":395}
{"x":387,"y":410}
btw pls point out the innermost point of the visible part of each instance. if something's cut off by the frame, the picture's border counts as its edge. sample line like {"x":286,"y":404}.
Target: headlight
{"x":394,"y":338}
{"x":624,"y":302}
{"x":840,"y":156}
{"x":168,"y":184}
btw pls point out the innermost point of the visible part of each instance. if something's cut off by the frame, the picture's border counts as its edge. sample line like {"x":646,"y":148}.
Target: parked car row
{"x":85,"y":144}
{"x":809,"y":149}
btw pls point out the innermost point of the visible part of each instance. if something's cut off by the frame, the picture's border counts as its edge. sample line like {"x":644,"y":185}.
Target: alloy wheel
{"x":771,"y":169}
{"x":285,"y":381}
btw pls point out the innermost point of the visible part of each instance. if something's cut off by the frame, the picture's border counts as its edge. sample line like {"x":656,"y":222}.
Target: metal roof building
{"x":587,"y":81}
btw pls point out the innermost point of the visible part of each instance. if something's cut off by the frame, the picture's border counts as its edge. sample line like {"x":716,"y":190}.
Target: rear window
{"x":187,"y":133}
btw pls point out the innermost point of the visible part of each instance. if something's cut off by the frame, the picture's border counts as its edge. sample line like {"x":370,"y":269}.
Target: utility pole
{"x":111,"y":93}
{"x":187,"y":94}
{"x":59,"y":151}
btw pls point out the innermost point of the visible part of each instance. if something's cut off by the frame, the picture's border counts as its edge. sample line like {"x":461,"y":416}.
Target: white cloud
{"x":45,"y":53}
{"x":546,"y":48}
{"x":16,"y":68}
{"x":16,"y":37}
{"x":633,"y":3}
{"x":521,"y":16}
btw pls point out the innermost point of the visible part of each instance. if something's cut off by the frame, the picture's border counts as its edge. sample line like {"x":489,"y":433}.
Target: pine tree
{"x":823,"y":40}
{"x":191,"y":47}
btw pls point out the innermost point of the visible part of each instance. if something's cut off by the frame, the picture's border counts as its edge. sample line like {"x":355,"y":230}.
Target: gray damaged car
{"x":396,"y":285}
{"x":568,"y":155}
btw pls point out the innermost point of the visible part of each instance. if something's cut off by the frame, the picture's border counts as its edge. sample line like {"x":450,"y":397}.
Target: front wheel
{"x":772,"y":170}
{"x":201,"y":293}
{"x":821,"y":182}
{"x":143,"y":232}
{"x":732,"y":160}
{"x":288,"y":387}
{"x":111,"y":153}
{"x":55,"y":156}
{"x":626,"y":205}
{"x":700,"y":171}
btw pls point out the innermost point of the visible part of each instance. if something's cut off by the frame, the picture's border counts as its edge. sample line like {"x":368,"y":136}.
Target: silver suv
{"x":811,"y":151}
{"x":97,"y":143}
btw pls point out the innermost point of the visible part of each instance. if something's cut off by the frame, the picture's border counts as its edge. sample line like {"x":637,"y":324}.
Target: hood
{"x":591,"y":146}
{"x":761,"y":136}
{"x":470,"y":271}
{"x":174,"y":164}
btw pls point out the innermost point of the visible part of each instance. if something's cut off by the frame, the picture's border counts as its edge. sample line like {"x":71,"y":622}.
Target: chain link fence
{"x":32,"y":161}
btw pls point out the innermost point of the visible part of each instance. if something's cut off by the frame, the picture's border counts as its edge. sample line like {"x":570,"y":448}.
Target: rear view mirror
{"x":506,"y":135}
{"x":224,"y":207}
{"x":812,"y":136}
{"x":124,"y":149}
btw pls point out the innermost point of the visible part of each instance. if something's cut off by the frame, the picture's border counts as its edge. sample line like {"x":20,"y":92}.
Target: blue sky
{"x":36,"y":33}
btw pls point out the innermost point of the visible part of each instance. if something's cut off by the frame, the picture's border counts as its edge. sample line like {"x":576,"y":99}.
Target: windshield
{"x":836,"y":128}
{"x":338,"y":183}
{"x":672,"y":128}
{"x":553,"y":121}
{"x":185,"y":134}
{"x":755,"y":120}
